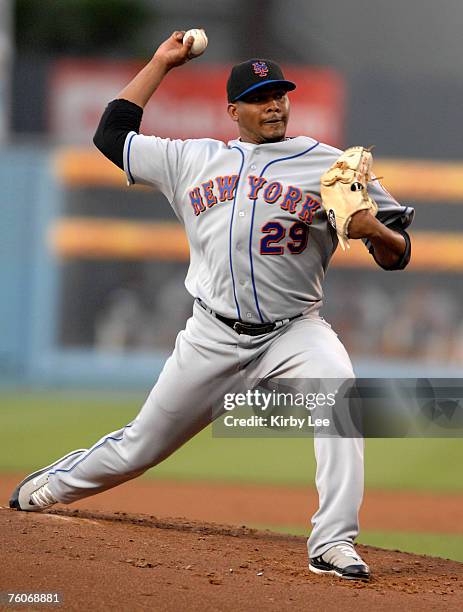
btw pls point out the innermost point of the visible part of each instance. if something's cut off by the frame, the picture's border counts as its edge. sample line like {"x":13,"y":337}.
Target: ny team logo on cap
{"x":260,"y":68}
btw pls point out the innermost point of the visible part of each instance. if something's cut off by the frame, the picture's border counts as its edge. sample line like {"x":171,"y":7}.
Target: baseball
{"x":200,"y":42}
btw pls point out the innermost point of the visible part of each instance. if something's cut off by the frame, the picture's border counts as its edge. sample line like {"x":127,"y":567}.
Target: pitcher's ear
{"x":232,"y":110}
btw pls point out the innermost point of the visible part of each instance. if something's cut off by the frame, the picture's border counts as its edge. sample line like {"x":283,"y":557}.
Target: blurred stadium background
{"x":91,"y":273}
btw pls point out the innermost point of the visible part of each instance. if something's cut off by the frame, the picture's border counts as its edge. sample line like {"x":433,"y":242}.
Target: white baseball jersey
{"x":260,"y":242}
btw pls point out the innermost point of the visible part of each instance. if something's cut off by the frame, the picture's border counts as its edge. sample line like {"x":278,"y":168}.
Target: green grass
{"x":36,"y":427}
{"x":447,"y":546}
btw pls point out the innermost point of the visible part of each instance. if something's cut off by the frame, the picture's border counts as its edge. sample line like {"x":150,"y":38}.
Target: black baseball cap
{"x":253,"y":74}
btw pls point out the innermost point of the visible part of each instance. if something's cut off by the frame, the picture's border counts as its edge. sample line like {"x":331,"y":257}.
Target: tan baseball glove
{"x":344,"y":190}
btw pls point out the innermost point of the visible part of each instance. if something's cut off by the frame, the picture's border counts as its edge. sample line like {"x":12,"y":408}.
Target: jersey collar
{"x":249,"y":146}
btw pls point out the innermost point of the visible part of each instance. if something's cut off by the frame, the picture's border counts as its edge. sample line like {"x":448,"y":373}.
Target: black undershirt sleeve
{"x":119,"y":118}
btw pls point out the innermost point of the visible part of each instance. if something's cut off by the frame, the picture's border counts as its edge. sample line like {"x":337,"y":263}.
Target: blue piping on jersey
{"x":230,"y":237}
{"x":69,"y":469}
{"x":252,"y":221}
{"x":128,"y":159}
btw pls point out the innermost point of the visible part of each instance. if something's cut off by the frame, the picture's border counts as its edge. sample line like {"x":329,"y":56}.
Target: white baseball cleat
{"x":341,"y":560}
{"x":33,"y":493}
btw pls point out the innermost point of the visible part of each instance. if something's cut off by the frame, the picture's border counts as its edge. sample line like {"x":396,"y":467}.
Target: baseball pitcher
{"x":263,"y":214}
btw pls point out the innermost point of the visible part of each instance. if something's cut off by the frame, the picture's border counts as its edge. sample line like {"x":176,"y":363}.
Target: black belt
{"x":250,"y":329}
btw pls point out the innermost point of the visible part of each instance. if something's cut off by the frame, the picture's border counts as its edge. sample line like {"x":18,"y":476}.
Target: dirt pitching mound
{"x":101,"y":561}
